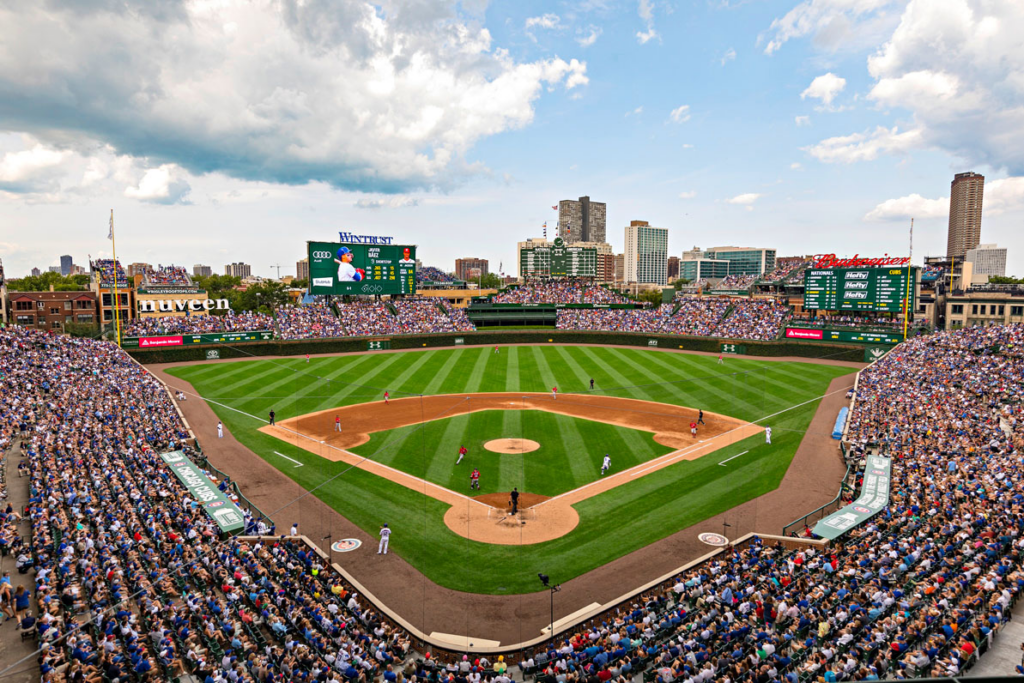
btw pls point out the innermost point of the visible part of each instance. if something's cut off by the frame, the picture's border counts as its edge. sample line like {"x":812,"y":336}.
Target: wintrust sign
{"x":171,"y":305}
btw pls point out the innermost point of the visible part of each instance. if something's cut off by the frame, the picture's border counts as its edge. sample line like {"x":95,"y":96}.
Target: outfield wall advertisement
{"x":192,"y":339}
{"x":874,"y":497}
{"x":221,"y":509}
{"x":856,"y":336}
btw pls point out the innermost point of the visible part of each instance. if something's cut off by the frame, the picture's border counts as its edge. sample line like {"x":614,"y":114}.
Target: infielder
{"x":554,"y":393}
{"x":606,"y":465}
{"x":220,"y":431}
{"x":386,"y":397}
{"x":693,"y":429}
{"x":385,"y":534}
{"x":474,"y":479}
{"x":768,"y":435}
{"x":462,"y":454}
{"x":337,"y":423}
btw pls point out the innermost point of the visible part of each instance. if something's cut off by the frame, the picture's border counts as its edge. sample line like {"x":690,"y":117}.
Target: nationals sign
{"x":831,"y":261}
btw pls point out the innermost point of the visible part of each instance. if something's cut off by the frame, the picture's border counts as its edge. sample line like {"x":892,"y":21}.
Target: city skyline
{"x":806,"y":127}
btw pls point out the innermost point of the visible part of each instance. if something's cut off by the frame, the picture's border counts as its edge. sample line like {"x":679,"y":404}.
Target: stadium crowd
{"x":753,"y":319}
{"x":107,"y":267}
{"x":168,"y":275}
{"x":245,"y":321}
{"x":427,"y":316}
{"x":367,"y":318}
{"x":432,"y":274}
{"x":559,"y":291}
{"x":613,"y":319}
{"x":311,"y":321}
{"x":735,"y":282}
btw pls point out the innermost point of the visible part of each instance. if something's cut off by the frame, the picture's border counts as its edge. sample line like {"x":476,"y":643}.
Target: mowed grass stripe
{"x":298,"y":406}
{"x":440,"y":376}
{"x":495,"y":376}
{"x":582,"y":378}
{"x":568,"y":431}
{"x":510,"y":472}
{"x":721,"y":392}
{"x":441,"y":451}
{"x":476,"y":376}
{"x":619,"y":383}
{"x":512,"y":370}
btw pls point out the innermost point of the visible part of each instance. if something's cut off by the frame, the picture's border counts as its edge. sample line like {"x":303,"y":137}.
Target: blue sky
{"x":232,"y":131}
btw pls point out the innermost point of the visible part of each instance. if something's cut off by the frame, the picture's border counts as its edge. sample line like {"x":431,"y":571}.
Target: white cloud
{"x":745,"y":199}
{"x":832,"y":22}
{"x":911,"y":206}
{"x":729,"y":55}
{"x":802,"y":121}
{"x":548,"y":21}
{"x":386,"y":203}
{"x":680,"y":114}
{"x":1004,"y":195}
{"x":358,"y":97}
{"x":645,"y":8}
{"x":636,"y":112}
{"x":31,"y":170}
{"x":796,"y":166}
{"x":687,"y":146}
{"x":824,"y":88}
{"x":688,"y":195}
{"x":161,"y":185}
{"x":865,"y":146}
{"x":588,"y":38}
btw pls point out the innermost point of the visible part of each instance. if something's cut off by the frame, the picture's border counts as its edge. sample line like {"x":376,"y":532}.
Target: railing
{"x":826,"y":509}
{"x":206,"y":464}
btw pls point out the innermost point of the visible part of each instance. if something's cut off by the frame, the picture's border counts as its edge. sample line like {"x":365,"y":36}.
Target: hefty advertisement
{"x":795,"y":333}
{"x":149,"y":342}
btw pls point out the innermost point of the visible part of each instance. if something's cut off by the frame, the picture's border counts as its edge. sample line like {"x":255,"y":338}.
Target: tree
{"x":651,"y":296}
{"x":263,"y":297}
{"x":489,"y":281}
{"x":43,"y":282}
{"x":299,"y":284}
{"x":678,"y":284}
{"x":1005,"y":280}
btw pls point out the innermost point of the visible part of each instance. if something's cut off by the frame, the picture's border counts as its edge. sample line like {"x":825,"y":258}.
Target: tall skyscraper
{"x":302,"y":269}
{"x":646,"y":253}
{"x":199,"y":270}
{"x":965,"y":199}
{"x":65,"y":265}
{"x":582,"y":220}
{"x":242,"y":270}
{"x":466,"y":267}
{"x":988,"y":259}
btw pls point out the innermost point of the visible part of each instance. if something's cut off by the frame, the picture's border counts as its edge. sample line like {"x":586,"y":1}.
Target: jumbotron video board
{"x":361,"y":269}
{"x":558,"y":260}
{"x":879,"y":290}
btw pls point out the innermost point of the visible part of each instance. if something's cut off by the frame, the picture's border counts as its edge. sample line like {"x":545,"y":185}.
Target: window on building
{"x":23,"y":305}
{"x":84,"y":318}
{"x":41,"y":305}
{"x":67,"y":305}
{"x":1002,"y":310}
{"x":55,"y":324}
{"x":974,"y":309}
{"x":25,"y":320}
{"x":54,"y":310}
{"x":107,"y":298}
{"x":68,"y":319}
{"x":958,"y":309}
{"x":1016,"y":310}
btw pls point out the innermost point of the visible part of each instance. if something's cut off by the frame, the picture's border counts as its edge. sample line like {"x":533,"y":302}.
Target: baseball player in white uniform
{"x":220,"y":431}
{"x":768,"y":435}
{"x":606,"y":465}
{"x":385,"y":534}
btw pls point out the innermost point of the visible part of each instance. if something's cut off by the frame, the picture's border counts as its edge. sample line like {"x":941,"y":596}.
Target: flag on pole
{"x":555,"y":207}
{"x":110,"y":235}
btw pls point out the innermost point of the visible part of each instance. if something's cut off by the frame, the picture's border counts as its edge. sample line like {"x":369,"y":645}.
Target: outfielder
{"x":768,"y":435}
{"x":385,"y":534}
{"x":462,"y":454}
{"x":606,"y":465}
{"x":720,"y":361}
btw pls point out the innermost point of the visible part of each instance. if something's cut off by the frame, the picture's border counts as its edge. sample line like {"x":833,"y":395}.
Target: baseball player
{"x":693,"y":429}
{"x":495,"y":349}
{"x":386,"y":397}
{"x":385,"y":535}
{"x":768,"y":435}
{"x":554,"y":393}
{"x":591,"y":383}
{"x":307,"y":357}
{"x":272,"y":418}
{"x":462,"y":454}
{"x":515,"y":499}
{"x":720,"y":361}
{"x":337,"y":423}
{"x":606,"y":465}
{"x":474,"y":479}
{"x":220,"y":430}
{"x":346,"y":271}
{"x":700,"y":417}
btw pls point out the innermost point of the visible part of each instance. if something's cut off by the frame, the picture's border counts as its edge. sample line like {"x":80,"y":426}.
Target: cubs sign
{"x":346,"y":545}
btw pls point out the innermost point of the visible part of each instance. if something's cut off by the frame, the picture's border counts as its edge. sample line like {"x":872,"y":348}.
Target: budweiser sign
{"x":832,"y":261}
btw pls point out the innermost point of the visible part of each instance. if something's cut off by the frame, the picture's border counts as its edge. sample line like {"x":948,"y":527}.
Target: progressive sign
{"x":221,"y":509}
{"x":874,"y":497}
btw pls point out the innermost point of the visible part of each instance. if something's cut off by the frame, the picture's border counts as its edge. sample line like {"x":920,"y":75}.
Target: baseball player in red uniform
{"x":307,"y":357}
{"x":386,"y":397}
{"x":337,"y":423}
{"x":462,"y":454}
{"x":474,"y":479}
{"x":693,"y":429}
{"x":554,"y":393}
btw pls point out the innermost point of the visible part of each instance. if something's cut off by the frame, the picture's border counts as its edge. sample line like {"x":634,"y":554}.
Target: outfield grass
{"x":612,"y":524}
{"x":570,"y":453}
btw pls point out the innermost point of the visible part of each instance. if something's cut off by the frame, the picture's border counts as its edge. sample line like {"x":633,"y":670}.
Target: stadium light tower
{"x":546,"y":580}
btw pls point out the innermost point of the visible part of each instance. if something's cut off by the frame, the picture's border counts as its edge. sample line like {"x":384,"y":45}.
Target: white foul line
{"x":732,"y":458}
{"x":297,"y":463}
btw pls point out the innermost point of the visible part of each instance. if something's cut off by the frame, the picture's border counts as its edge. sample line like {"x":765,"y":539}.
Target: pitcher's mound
{"x":511,"y":445}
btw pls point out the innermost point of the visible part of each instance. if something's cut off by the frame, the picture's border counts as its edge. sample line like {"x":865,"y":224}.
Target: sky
{"x":221,"y":130}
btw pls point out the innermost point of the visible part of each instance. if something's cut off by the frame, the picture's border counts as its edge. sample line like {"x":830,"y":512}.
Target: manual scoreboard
{"x":558,"y":260}
{"x":880,"y":290}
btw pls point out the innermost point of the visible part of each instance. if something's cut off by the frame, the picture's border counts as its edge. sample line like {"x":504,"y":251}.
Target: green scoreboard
{"x":880,"y":290}
{"x":361,"y":269}
{"x":558,"y":260}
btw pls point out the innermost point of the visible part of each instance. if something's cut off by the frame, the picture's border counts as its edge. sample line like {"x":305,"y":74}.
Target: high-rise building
{"x":646,"y":253}
{"x":464,"y":265}
{"x":302,"y":269}
{"x":965,"y":199}
{"x":199,"y":270}
{"x":54,"y":269}
{"x":673,"y":268}
{"x":582,"y":220}
{"x":139,"y":269}
{"x":744,"y":260}
{"x":988,"y":259}
{"x":242,"y":270}
{"x":65,"y":265}
{"x":620,"y":267}
{"x":36,"y":272}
